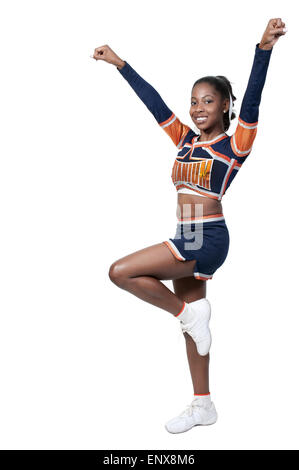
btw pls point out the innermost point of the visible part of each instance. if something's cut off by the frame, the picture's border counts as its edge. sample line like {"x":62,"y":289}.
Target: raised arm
{"x":167,"y":120}
{"x":243,"y":138}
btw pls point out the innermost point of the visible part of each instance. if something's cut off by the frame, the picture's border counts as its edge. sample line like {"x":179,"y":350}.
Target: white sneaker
{"x":198,"y":327}
{"x":195,"y":414}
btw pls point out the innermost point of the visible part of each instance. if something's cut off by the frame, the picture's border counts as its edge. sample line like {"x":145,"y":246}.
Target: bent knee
{"x":117,"y":274}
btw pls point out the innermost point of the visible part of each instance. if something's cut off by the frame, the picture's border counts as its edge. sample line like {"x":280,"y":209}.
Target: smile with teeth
{"x":201,"y":119}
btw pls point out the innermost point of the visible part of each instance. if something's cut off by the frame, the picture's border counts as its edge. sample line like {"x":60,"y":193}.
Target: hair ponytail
{"x":226,"y":120}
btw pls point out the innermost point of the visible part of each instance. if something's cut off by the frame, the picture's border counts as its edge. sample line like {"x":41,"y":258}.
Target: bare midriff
{"x":196,"y":206}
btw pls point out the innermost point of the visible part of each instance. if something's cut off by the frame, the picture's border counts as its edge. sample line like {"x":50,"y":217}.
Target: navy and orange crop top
{"x":207,"y":168}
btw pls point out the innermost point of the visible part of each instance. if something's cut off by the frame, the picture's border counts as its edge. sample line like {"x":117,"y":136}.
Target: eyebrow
{"x":193,"y":97}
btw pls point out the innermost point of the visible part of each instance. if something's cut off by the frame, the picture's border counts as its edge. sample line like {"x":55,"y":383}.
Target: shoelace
{"x":185,"y":327}
{"x":190,"y":409}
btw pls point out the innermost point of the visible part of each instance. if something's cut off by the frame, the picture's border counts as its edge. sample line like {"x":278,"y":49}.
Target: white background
{"x":85,"y":179}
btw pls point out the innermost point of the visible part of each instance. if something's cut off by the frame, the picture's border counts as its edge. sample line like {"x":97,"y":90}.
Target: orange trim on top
{"x":167,"y":120}
{"x":196,"y":190}
{"x":228,"y":175}
{"x":235,"y":150}
{"x":184,"y":156}
{"x":212,"y":142}
{"x":203,"y":217}
{"x":248,"y":123}
{"x":221,"y":155}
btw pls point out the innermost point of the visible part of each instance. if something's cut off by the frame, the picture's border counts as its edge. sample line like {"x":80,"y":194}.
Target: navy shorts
{"x":204,"y":239}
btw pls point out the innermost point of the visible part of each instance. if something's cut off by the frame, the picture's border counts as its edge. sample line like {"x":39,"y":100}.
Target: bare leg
{"x":141,"y":273}
{"x":191,"y":289}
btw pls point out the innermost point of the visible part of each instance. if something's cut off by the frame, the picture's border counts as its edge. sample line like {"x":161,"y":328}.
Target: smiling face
{"x":207,"y":107}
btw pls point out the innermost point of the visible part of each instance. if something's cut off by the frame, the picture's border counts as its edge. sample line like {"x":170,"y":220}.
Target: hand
{"x":108,"y":55}
{"x":275,"y":29}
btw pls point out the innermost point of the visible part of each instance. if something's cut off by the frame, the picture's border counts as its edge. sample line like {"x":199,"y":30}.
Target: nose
{"x":199,"y":108}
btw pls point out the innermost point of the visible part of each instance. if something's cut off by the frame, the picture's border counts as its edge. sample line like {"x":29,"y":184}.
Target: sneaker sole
{"x":201,"y":424}
{"x":208,"y":423}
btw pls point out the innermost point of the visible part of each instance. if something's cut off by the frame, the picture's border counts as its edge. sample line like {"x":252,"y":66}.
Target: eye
{"x":206,"y":101}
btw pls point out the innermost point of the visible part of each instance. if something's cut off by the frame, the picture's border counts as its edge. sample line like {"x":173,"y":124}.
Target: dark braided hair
{"x":223,"y":86}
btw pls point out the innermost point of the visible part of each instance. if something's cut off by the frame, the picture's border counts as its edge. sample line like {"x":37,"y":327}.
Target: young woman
{"x":207,"y":161}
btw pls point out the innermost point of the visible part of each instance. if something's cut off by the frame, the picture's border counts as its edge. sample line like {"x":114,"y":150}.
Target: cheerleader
{"x":207,"y":161}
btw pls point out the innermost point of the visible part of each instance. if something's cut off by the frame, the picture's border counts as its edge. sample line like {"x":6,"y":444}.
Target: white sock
{"x":185,"y":314}
{"x":202,"y":400}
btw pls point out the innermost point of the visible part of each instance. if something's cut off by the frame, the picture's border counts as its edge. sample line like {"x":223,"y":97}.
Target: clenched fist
{"x":108,"y":55}
{"x":275,"y":29}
